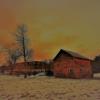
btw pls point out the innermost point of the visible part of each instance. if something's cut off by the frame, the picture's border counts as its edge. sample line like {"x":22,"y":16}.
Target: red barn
{"x":69,"y":64}
{"x":30,"y":67}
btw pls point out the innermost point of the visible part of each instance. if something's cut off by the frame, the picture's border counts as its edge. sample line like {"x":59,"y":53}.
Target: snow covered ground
{"x":48,"y":88}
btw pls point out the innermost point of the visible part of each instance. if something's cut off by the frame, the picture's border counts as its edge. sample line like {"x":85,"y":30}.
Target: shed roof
{"x":70,"y":53}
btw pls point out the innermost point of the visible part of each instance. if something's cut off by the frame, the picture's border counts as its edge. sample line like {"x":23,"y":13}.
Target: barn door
{"x":71,"y":74}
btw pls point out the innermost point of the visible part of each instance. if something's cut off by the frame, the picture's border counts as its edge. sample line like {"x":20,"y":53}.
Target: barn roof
{"x":71,"y":54}
{"x":32,"y":63}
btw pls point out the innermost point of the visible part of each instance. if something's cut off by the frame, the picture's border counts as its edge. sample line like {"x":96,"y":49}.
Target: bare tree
{"x":22,"y":41}
{"x":13,"y":55}
{"x":29,"y":54}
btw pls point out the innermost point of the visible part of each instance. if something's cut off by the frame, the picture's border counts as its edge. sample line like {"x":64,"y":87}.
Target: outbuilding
{"x":68,"y":64}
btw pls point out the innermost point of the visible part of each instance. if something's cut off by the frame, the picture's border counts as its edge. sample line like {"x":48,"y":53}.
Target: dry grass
{"x":44,"y":88}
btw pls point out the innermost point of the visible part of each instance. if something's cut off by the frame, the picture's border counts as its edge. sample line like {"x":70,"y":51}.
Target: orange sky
{"x":53,"y":24}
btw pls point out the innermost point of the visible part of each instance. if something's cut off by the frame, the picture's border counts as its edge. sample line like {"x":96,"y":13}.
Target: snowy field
{"x":48,"y":88}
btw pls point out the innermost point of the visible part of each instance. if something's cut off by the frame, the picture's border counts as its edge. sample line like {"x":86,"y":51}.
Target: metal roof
{"x":72,"y":54}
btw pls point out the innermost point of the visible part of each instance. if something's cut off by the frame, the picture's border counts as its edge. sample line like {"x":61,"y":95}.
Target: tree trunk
{"x":24,"y":54}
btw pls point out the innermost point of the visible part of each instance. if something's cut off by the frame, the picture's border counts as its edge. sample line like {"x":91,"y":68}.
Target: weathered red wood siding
{"x":28,"y":68}
{"x":64,"y":66}
{"x":84,"y":67}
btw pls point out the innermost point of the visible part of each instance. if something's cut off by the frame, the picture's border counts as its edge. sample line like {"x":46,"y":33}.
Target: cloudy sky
{"x":53,"y":24}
